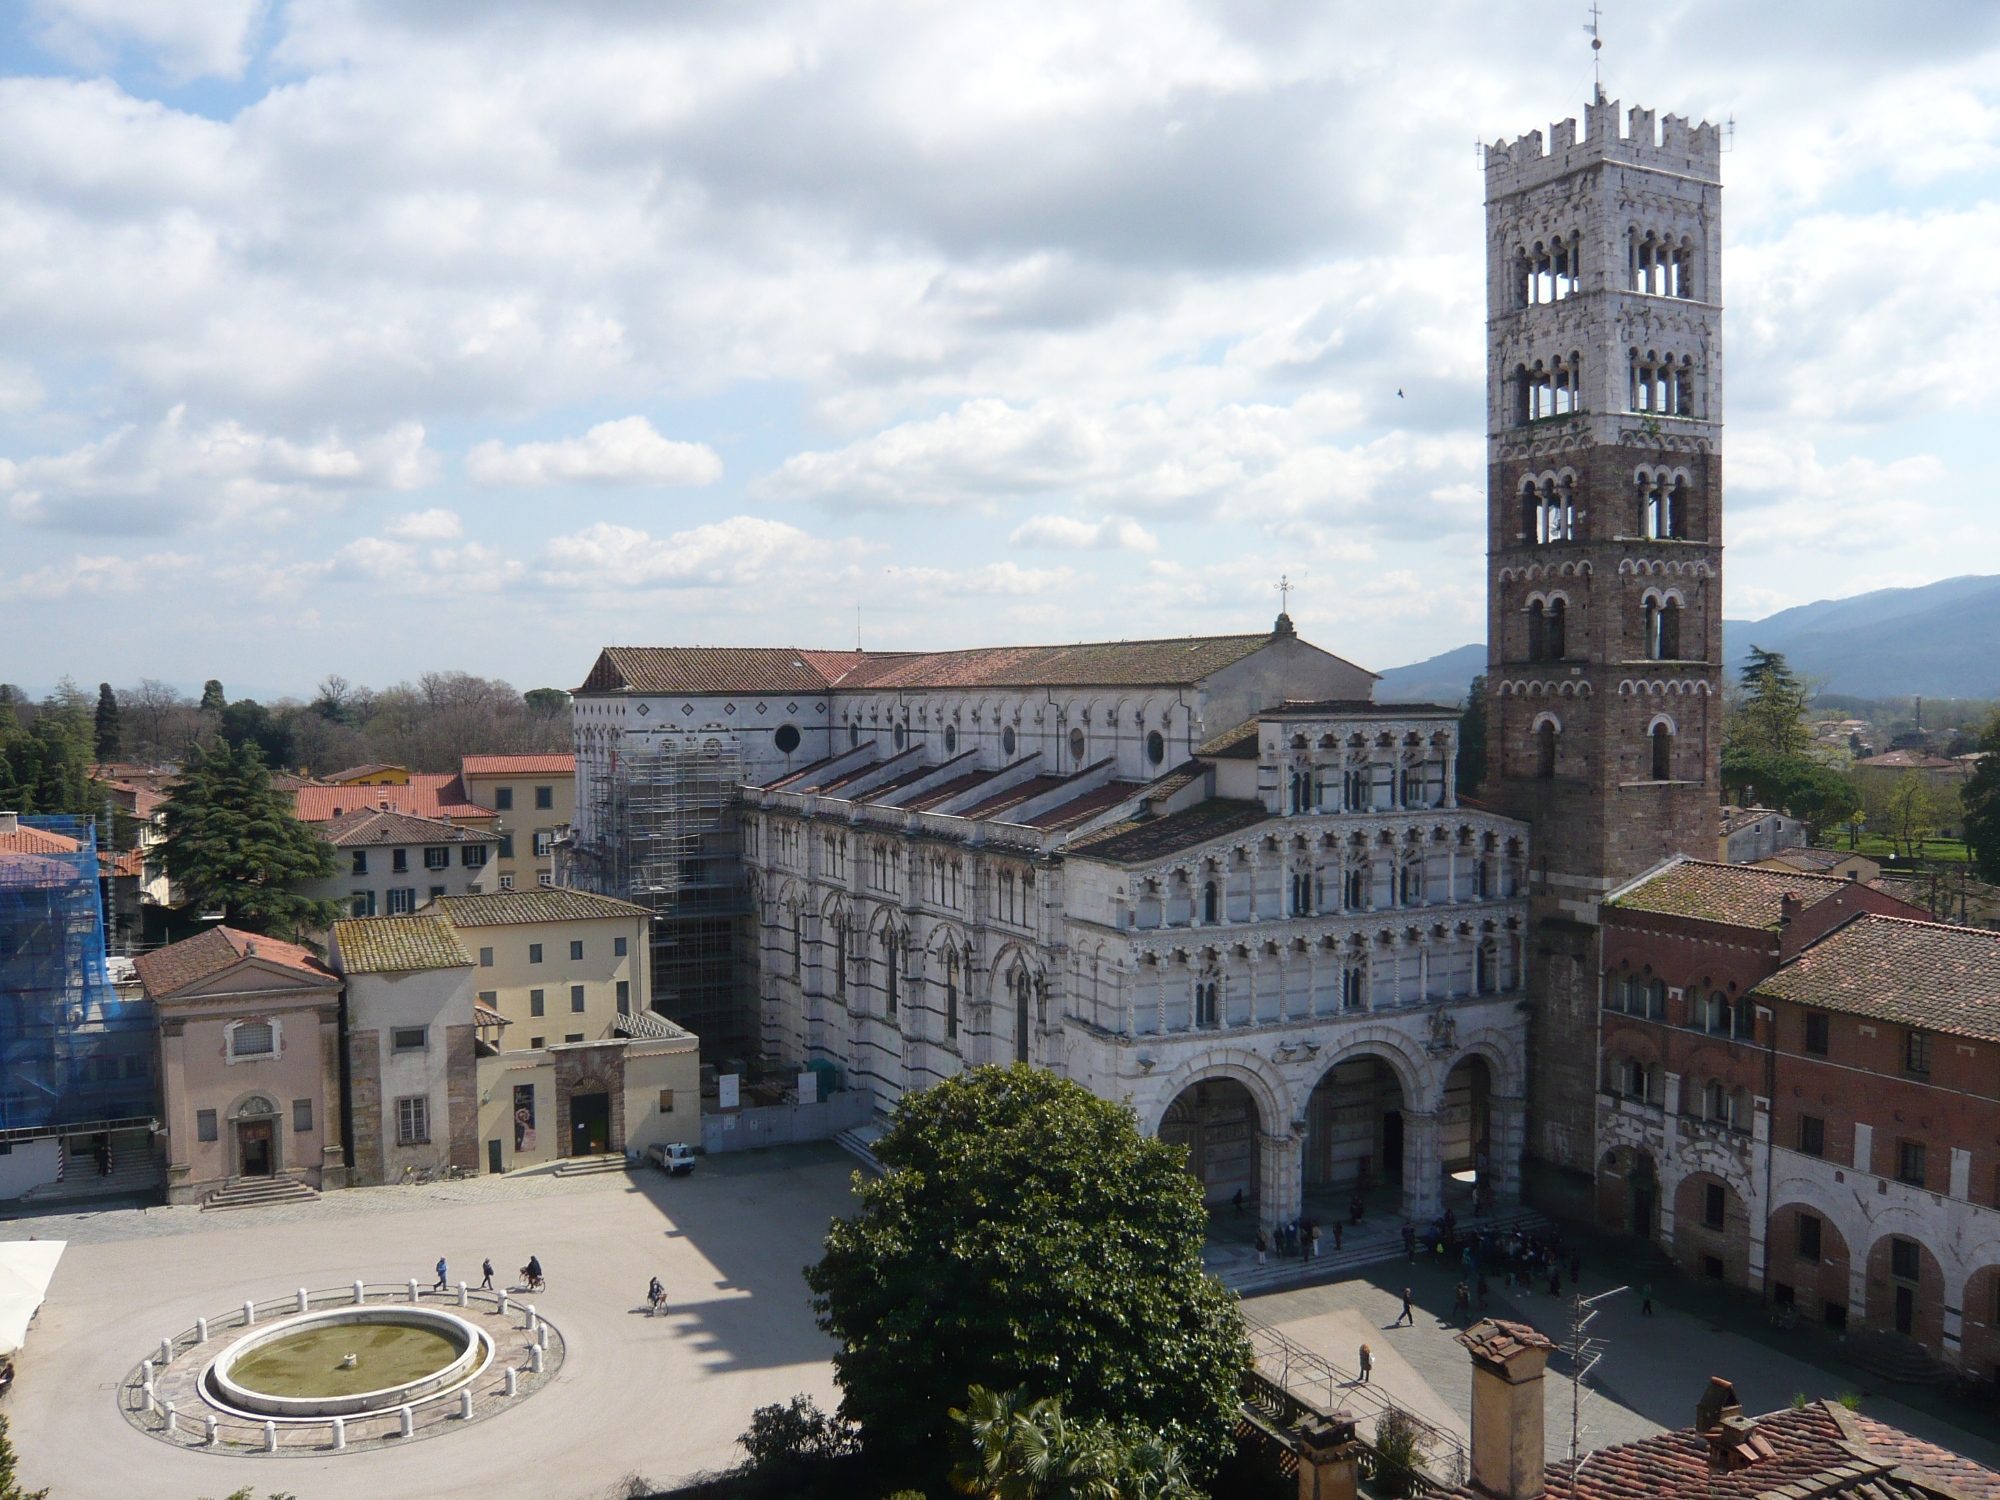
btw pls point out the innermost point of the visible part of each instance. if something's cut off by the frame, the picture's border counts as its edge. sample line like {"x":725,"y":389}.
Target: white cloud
{"x":742,"y":551}
{"x":1788,"y":502}
{"x":95,"y":576}
{"x":628,"y":451}
{"x":176,"y":474}
{"x":474,"y":568}
{"x":1066,"y":533}
{"x":185,"y":39}
{"x":426,"y":526}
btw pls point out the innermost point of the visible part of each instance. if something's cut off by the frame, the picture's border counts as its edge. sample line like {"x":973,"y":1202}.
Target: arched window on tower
{"x":1210,"y":903}
{"x":1663,"y":753}
{"x":1545,"y":749}
{"x":1538,"y":631}
{"x":1558,"y":629}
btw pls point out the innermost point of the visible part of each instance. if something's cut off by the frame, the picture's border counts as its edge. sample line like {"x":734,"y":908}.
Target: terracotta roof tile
{"x":517,"y":765}
{"x":397,"y":945}
{"x":26,"y":840}
{"x":511,"y":908}
{"x":168,"y":971}
{"x":429,"y":794}
{"x":757,"y":669}
{"x":372,"y":768}
{"x":1085,"y":806}
{"x":1739,"y":895}
{"x":1146,"y":839}
{"x":371,"y":826}
{"x":1920,"y":974}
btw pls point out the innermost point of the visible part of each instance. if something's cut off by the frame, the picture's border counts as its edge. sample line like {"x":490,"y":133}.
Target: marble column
{"x":1423,"y":1194}
{"x":1281,"y":1164}
{"x":1507,"y":1116}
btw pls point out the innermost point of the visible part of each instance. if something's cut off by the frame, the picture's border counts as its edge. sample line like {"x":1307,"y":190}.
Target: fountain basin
{"x":297,"y":1367}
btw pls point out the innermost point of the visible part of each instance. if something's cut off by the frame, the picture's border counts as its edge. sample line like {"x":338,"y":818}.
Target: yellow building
{"x":534,"y":800}
{"x":571,"y":1063}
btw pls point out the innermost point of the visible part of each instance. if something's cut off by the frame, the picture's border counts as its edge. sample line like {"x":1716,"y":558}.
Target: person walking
{"x":1646,"y":1300}
{"x":1409,"y":1313}
{"x":1237,"y":1203}
{"x":1410,"y":1241}
{"x":1367,"y":1364}
{"x":1315,"y":1241}
{"x":1336,"y":1236}
{"x":1461,"y":1303}
{"x":1262,"y":1246}
{"x":486,"y":1277}
{"x":655,"y":1296}
{"x":440,"y":1283}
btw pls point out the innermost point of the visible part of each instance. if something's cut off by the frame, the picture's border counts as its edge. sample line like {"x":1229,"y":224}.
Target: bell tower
{"x":1604,"y":554}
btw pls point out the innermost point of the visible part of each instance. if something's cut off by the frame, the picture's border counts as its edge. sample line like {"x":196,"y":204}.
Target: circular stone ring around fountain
{"x":347,"y":1360}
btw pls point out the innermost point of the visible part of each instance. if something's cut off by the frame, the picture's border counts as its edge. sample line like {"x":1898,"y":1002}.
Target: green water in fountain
{"x":311,"y":1362}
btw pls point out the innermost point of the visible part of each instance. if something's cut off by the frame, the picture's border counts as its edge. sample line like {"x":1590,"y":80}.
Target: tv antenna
{"x":1596,"y":50}
{"x":1584,"y":1353}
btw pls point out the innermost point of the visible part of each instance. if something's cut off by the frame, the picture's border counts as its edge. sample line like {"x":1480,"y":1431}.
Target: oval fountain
{"x":346,"y":1361}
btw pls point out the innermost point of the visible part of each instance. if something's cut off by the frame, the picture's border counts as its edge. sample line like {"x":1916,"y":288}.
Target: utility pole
{"x":1584,"y":1353}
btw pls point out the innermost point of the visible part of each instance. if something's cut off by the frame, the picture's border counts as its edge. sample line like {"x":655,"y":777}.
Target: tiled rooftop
{"x":371,"y":826}
{"x":1738,"y":895}
{"x":1920,"y":974}
{"x":1145,"y":840}
{"x":512,"y":908}
{"x":517,"y":765}
{"x":722,"y":669}
{"x":169,"y":970}
{"x":26,"y":840}
{"x":429,"y":794}
{"x":397,"y":945}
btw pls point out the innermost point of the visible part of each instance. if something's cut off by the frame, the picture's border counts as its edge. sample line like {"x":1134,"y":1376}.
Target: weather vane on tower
{"x":1596,"y":51}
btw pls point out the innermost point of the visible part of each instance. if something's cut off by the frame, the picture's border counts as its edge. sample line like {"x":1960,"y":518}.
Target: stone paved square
{"x":658,"y":1397}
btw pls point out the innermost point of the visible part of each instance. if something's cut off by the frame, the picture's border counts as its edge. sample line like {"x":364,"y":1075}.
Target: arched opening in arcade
{"x":1354,"y":1139}
{"x":1628,"y":1193}
{"x":1465,"y":1134}
{"x":1216,"y":1120}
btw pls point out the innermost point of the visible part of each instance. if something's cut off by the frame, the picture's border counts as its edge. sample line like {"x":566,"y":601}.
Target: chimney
{"x":1789,"y":907}
{"x":10,"y":822}
{"x":1329,"y":1457}
{"x":1507,"y":1364}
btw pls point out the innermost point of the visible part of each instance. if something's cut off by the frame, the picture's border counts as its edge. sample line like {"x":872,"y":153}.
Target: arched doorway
{"x":1354,"y":1131}
{"x":1216,"y":1120}
{"x":256,"y":1127}
{"x":1628,"y":1193}
{"x":1465,"y":1131}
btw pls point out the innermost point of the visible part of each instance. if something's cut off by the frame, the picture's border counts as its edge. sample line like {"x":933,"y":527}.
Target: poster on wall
{"x":524,"y":1117}
{"x":727,"y":1086}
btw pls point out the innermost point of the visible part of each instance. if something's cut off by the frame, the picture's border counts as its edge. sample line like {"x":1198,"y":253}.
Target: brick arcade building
{"x":1800,"y":1095}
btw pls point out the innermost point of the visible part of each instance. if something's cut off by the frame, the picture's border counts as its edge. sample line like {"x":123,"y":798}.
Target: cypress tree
{"x":110,"y":737}
{"x":234,"y":844}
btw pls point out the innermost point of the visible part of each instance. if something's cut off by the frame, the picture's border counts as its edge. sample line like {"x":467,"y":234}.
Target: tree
{"x":1981,"y":798}
{"x":1770,"y":719}
{"x":233,"y":844}
{"x":213,"y":699}
{"x":1027,"y":1235}
{"x":247,"y":722}
{"x":546,"y":703}
{"x":45,"y":763}
{"x":1011,"y":1448}
{"x":1472,"y":740}
{"x":1910,"y":813}
{"x":10,"y":1483}
{"x":109,"y":739}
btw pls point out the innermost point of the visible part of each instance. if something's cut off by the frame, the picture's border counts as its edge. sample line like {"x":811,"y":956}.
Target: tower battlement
{"x":1669,"y":144}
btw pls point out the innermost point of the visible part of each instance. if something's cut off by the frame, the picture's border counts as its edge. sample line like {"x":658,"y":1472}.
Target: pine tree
{"x":110,"y":737}
{"x":234,"y":845}
{"x":213,"y":700}
{"x":1771,"y":719}
{"x":10,"y":1484}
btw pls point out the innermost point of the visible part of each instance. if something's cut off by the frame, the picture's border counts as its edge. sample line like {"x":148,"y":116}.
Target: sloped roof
{"x":428,"y":794}
{"x":371,"y":826}
{"x":1176,"y":661}
{"x":517,"y":765}
{"x":1144,"y":840}
{"x":26,"y":840}
{"x":545,"y":904}
{"x":397,"y":945}
{"x":179,"y":966}
{"x":372,"y":768}
{"x":1910,"y":760}
{"x":1738,"y":895}
{"x":1920,"y":974}
{"x":1819,"y":1451}
{"x":1733,"y":818}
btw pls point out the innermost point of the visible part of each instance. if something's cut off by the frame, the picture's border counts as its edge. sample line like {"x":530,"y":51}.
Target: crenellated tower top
{"x":1669,"y":144}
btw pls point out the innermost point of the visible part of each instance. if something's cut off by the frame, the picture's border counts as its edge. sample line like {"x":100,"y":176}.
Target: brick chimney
{"x":10,"y":822}
{"x":1507,"y":1364}
{"x":1329,"y":1457}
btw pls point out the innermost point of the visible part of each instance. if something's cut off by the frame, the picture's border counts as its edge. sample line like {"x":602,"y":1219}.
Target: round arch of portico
{"x":1501,"y":1053}
{"x":1267,"y":1086}
{"x":1897,"y":1222}
{"x":1421,"y":1083}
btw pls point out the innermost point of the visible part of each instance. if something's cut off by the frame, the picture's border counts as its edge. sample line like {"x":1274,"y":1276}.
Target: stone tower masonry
{"x":1604,"y":554}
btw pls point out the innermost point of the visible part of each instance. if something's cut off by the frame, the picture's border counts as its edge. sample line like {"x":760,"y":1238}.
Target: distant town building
{"x":391,"y":863}
{"x":1746,"y":835}
{"x":533,"y":798}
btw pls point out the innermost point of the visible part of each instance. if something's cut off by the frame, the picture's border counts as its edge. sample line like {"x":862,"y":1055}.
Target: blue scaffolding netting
{"x":73,"y":1055}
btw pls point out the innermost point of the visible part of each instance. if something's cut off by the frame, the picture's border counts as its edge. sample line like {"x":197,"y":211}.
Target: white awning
{"x":26,"y":1269}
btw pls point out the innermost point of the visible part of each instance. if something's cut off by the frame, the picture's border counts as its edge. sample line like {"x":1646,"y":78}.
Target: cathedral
{"x":1211,"y":876}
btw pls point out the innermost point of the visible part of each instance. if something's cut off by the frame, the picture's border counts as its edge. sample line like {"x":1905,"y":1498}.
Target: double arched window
{"x":1548,"y":629}
{"x":1548,"y":510}
{"x":1663,"y":628}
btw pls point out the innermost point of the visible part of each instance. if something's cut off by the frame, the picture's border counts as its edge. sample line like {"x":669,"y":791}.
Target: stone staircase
{"x":258,"y":1192}
{"x":1383,"y":1241}
{"x":132,"y":1174}
{"x":586,"y":1166}
{"x":859,"y":1143}
{"x":1895,"y":1357}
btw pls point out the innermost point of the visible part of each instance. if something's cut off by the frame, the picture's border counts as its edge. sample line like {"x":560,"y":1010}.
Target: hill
{"x":1941,"y":640}
{"x":1442,"y":679}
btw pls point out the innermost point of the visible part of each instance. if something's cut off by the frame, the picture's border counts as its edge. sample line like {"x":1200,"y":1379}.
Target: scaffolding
{"x":665,"y":834}
{"x":74,"y":1056}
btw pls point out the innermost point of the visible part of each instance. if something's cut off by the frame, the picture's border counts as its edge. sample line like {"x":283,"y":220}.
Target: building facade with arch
{"x":1285,"y":943}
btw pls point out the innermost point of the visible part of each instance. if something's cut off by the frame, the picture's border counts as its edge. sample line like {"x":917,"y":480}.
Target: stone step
{"x":1896,"y":1357}
{"x":857,"y":1143}
{"x":136,"y":1174}
{"x":1246,"y":1278}
{"x":258,"y":1192}
{"x":583,"y":1166}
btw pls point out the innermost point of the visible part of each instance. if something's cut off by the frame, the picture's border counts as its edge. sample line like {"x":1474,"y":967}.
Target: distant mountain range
{"x":1941,"y":640}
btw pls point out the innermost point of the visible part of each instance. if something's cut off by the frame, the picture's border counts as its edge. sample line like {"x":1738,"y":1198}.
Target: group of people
{"x":1297,"y":1239}
{"x":531,"y":1275}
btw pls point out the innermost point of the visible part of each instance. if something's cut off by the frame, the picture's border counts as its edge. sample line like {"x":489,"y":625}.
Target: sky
{"x":372,"y":339}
